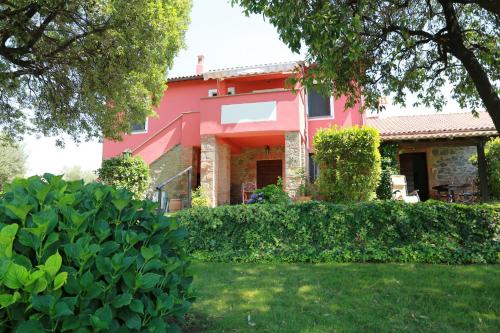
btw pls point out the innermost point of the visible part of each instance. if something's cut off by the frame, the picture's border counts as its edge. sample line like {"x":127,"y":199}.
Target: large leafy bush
{"x":128,"y":172}
{"x":377,"y":231}
{"x":349,"y":162}
{"x":88,"y":258}
{"x":492,"y":155}
{"x":389,"y":167}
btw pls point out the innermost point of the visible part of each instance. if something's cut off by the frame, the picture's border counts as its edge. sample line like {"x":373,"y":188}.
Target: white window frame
{"x":145,"y":130}
{"x":212,"y":91}
{"x":231,"y":91}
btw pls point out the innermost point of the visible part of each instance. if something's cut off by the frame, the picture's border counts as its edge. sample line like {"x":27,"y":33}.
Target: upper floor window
{"x":231,"y":91}
{"x":139,"y":127}
{"x":317,"y":104}
{"x":212,"y":92}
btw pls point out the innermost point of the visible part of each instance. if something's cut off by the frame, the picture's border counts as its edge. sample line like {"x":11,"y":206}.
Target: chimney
{"x":199,"y":65}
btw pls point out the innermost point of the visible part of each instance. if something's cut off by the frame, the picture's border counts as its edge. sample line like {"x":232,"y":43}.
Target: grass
{"x":310,"y":298}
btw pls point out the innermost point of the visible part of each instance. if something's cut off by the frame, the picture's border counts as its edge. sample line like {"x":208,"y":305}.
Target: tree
{"x":75,"y":173}
{"x":12,"y":160}
{"x":395,"y":46}
{"x":85,"y":67}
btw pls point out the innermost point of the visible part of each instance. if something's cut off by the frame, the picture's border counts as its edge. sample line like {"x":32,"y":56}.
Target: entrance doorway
{"x":414,"y":167}
{"x":268,"y":172}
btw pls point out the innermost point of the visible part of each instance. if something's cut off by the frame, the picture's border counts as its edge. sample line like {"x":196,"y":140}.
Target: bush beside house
{"x":492,"y":156}
{"x":88,"y":258}
{"x":125,"y":171}
{"x":349,"y":161}
{"x":378,"y":231}
{"x":389,"y":167}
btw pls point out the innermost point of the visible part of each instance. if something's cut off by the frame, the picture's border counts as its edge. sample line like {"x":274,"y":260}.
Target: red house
{"x":234,"y":127}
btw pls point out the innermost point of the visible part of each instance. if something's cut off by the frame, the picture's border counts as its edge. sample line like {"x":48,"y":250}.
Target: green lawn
{"x":345,"y":298}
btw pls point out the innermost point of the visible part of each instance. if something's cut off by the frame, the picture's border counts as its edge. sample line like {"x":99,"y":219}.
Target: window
{"x":212,"y":92}
{"x":317,"y":104}
{"x":140,"y":127}
{"x":231,"y":91}
{"x":313,"y":169}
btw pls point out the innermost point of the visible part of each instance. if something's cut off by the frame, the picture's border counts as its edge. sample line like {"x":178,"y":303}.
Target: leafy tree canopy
{"x":12,"y":160}
{"x":395,"y":46}
{"x":76,"y":172}
{"x":85,"y":67}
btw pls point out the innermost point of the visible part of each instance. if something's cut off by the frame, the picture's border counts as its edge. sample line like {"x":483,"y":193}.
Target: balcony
{"x":270,"y":111}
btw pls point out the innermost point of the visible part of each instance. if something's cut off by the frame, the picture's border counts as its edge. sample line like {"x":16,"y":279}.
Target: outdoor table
{"x":451,"y":190}
{"x":442,"y":189}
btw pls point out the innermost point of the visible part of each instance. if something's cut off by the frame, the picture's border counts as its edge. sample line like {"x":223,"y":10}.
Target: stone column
{"x":215,"y":176}
{"x":208,"y":173}
{"x":223,"y":167}
{"x":294,"y":162}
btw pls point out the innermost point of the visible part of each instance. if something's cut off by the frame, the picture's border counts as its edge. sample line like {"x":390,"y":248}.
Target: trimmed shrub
{"x":389,"y":166}
{"x":378,"y":231}
{"x":349,"y":162}
{"x":125,"y":171}
{"x":88,"y":258}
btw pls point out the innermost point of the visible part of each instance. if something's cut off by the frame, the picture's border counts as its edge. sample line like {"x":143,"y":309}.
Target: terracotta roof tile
{"x":442,"y":125}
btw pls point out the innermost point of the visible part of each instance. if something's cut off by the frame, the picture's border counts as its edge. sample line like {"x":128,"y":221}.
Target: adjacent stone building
{"x":435,"y":149}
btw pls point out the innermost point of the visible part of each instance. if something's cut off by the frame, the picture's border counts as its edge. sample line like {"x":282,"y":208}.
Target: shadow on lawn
{"x":344,"y":297}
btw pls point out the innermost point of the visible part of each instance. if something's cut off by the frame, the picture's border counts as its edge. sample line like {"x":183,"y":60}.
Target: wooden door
{"x":268,"y":172}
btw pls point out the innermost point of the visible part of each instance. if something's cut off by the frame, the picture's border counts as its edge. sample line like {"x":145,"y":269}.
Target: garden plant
{"x":88,"y":258}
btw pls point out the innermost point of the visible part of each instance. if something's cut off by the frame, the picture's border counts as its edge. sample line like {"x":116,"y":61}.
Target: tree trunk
{"x":476,"y":72}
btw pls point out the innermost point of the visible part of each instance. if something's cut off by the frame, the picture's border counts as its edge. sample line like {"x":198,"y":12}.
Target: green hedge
{"x":382,"y":231}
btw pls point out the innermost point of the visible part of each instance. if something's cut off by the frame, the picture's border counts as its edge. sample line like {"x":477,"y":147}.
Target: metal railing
{"x":164,"y":208}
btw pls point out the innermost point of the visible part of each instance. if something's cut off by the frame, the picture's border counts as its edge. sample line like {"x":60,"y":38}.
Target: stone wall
{"x":215,"y":170}
{"x":450,"y":165}
{"x":244,"y":167}
{"x":295,"y":162}
{"x":169,"y":164}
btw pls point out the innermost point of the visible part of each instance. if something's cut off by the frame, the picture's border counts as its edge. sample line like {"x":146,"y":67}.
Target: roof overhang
{"x":442,"y":135}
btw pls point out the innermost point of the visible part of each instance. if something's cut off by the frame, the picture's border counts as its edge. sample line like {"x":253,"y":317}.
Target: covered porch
{"x":230,"y":161}
{"x":435,"y":151}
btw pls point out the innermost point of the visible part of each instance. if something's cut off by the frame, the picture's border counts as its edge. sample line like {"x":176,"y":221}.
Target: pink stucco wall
{"x":180,"y":97}
{"x":342,"y":118}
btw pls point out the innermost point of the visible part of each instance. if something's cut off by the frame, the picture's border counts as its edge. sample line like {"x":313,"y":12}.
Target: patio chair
{"x":400,"y":190}
{"x":246,"y":191}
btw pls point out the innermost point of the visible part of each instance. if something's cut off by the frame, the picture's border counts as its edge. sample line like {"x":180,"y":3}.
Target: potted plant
{"x":175,"y":205}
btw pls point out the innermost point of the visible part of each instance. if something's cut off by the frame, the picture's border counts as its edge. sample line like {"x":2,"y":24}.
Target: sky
{"x":227,"y":38}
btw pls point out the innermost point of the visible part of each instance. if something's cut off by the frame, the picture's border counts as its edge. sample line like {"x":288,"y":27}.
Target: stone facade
{"x":295,"y":162}
{"x":450,"y":165}
{"x":223,"y":173}
{"x":244,"y":167}
{"x":169,"y":164}
{"x":215,"y":170}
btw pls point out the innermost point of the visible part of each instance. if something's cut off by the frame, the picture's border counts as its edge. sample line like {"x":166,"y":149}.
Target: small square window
{"x":139,"y":127}
{"x":231,"y":91}
{"x":212,"y":92}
